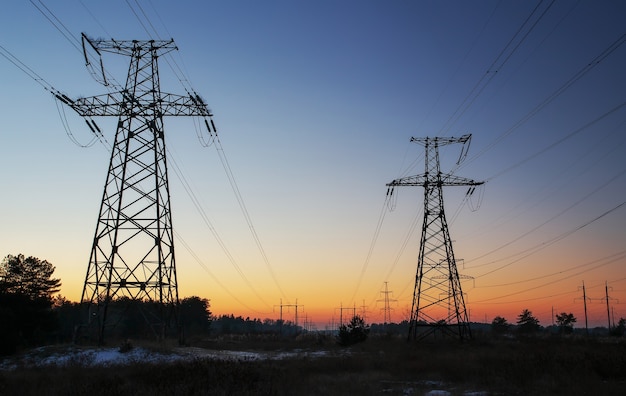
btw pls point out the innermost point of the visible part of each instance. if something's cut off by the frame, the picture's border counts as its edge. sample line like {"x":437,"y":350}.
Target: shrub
{"x":354,"y":332}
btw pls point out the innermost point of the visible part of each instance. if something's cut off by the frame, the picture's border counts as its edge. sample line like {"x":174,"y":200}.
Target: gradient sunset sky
{"x":315,"y":103}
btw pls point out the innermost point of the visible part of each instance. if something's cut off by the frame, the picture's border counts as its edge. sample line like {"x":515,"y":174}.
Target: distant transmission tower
{"x":132,"y":255}
{"x":438,"y":302}
{"x":386,"y":300}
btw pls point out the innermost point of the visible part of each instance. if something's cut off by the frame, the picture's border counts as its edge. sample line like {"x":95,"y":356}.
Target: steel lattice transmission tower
{"x":132,"y":255}
{"x":438,"y":301}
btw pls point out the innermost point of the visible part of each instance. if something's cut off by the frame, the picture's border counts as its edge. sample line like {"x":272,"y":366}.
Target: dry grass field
{"x":389,"y":366}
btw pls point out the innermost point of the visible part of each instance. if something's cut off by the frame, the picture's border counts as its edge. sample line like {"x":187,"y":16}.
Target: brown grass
{"x":382,"y":365}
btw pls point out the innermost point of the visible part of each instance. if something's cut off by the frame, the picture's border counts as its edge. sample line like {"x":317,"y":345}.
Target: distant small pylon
{"x":387,"y":303}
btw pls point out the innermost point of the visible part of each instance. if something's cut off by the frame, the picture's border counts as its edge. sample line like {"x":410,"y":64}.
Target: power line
{"x":205,"y":218}
{"x":555,"y":94}
{"x":559,"y":141}
{"x":220,"y":151}
{"x":552,"y":241}
{"x":470,"y":49}
{"x":178,"y":71}
{"x":208,"y":271}
{"x":612,"y":259}
{"x":494,"y":68}
{"x":617,"y":256}
{"x":377,"y":229}
{"x":26,"y":70}
{"x":48,"y":87}
{"x":60,"y":26}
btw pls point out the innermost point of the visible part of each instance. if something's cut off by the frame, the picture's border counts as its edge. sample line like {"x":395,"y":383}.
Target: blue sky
{"x":315,"y":103}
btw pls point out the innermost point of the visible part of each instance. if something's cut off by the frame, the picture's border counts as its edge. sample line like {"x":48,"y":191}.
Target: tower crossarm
{"x":417,"y":180}
{"x":425,"y":180}
{"x":441,"y":141}
{"x":122,"y":103}
{"x":127,"y":47}
{"x":451,"y":180}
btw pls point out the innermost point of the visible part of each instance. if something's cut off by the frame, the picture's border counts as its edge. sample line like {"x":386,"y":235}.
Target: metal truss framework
{"x":438,"y":301}
{"x":132,"y":256}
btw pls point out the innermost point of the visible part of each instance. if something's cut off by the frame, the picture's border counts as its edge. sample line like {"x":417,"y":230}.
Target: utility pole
{"x":608,"y":312}
{"x":607,"y":298}
{"x":364,"y":311}
{"x":280,"y":326}
{"x":438,"y":303}
{"x":132,"y":254}
{"x":585,"y":306}
{"x":289,"y":306}
{"x":342,"y":308}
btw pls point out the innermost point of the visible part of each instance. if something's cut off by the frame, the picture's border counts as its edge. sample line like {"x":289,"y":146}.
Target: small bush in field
{"x":354,"y":332}
{"x":499,"y":325}
{"x":126,"y":346}
{"x":527,"y":323}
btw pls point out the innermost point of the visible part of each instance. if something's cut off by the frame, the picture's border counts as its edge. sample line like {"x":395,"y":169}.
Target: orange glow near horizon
{"x":291,"y":202}
{"x":322,"y":309}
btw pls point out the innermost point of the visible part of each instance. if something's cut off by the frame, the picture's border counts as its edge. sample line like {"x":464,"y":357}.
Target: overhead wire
{"x":510,"y":168}
{"x":554,"y":240}
{"x":244,"y":209}
{"x":458,"y":68}
{"x":68,"y":131}
{"x":153,"y":31}
{"x":494,"y":68}
{"x":573,"y":5}
{"x":405,"y":242}
{"x":602,"y":56}
{"x":409,"y":234}
{"x":60,"y":26}
{"x":95,"y":19}
{"x":481,"y":189}
{"x":615,"y":177}
{"x":368,"y":257}
{"x":617,"y":256}
{"x":97,"y":135}
{"x":26,"y":70}
{"x":50,"y":16}
{"x":558,"y":142}
{"x":565,"y":210}
{"x":68,"y":35}
{"x":617,"y":130}
{"x":555,"y":94}
{"x":217,"y":281}
{"x":490,"y":301}
{"x":185,"y":82}
{"x":205,"y":218}
{"x":610,"y":259}
{"x":489,"y":75}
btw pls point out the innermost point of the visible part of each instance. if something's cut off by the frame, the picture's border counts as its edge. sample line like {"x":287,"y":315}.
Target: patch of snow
{"x":112,"y":356}
{"x":86,"y":358}
{"x":247,"y":355}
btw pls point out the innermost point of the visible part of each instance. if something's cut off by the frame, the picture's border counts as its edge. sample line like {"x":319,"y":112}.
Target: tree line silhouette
{"x":32,"y":313}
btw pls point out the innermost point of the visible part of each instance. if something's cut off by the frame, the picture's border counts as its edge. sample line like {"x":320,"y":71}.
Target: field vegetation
{"x":380,"y":365}
{"x":282,"y":358}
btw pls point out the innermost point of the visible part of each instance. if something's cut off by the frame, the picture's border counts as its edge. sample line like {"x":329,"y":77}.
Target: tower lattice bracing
{"x":132,"y":256}
{"x":438,"y":300}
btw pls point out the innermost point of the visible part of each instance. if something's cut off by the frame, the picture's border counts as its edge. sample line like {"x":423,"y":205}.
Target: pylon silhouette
{"x":132,"y":256}
{"x":438,"y":301}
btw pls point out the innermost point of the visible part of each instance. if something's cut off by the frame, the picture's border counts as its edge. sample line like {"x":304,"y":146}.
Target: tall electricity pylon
{"x":438,"y":301}
{"x":132,"y":255}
